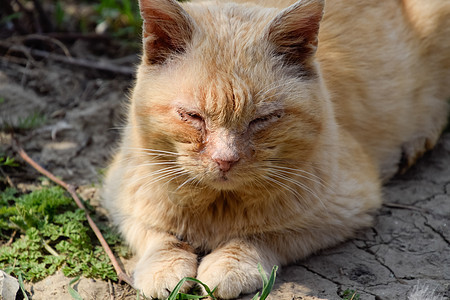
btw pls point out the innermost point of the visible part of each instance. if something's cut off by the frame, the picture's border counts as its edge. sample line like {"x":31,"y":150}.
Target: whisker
{"x":157,"y":172}
{"x":260,"y":183}
{"x":153,"y":151}
{"x":152,"y":158}
{"x":285,"y":186}
{"x":121,"y":127}
{"x":299,"y":184}
{"x":172,"y":174}
{"x":158,"y":163}
{"x":189,"y":180}
{"x":292,"y":161}
{"x":180,"y":174}
{"x":319,"y":180}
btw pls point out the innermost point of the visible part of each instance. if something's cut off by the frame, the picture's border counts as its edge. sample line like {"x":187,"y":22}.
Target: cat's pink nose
{"x":225,"y":165}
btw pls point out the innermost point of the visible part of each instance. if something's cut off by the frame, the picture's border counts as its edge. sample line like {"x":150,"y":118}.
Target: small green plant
{"x":74,"y":294}
{"x":350,"y":295}
{"x":7,"y":19}
{"x":22,"y":287}
{"x":267,"y":282}
{"x":53,"y":234}
{"x":60,"y":15}
{"x":121,"y":15}
{"x":32,"y":121}
{"x":8,"y":161}
{"x":267,"y":287}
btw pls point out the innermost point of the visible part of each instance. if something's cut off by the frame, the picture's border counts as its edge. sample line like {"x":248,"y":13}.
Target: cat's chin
{"x":225,"y":183}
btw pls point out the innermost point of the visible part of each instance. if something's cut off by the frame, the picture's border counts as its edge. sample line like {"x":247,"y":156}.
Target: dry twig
{"x":80,"y":62}
{"x":7,"y":178}
{"x":11,"y":239}
{"x":71,"y":189}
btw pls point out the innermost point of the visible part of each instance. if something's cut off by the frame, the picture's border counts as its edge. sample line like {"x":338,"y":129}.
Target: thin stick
{"x":11,"y":239}
{"x":98,"y":65}
{"x":8,"y":179}
{"x":71,"y":189}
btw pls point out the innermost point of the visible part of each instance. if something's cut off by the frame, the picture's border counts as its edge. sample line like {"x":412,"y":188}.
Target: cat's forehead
{"x":226,"y":18}
{"x":227,"y":33}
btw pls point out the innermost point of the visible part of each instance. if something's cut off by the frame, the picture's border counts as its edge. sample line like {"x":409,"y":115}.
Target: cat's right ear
{"x":166,"y":29}
{"x":294,"y":32}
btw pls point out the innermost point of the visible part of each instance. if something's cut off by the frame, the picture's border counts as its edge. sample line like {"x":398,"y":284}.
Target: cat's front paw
{"x":231,"y":275}
{"x":158,"y":273}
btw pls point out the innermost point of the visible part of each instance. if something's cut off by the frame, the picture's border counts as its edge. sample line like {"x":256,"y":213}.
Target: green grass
{"x":350,"y":295}
{"x":121,"y":16}
{"x":22,"y":287}
{"x":51,"y":234}
{"x":267,"y":287}
{"x":8,"y":162}
{"x":32,"y":121}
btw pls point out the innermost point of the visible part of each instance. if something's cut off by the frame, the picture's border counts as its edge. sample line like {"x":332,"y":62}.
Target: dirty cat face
{"x":229,"y":100}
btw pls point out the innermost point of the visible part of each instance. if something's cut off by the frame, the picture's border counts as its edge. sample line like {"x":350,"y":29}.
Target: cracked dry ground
{"x":409,"y":243}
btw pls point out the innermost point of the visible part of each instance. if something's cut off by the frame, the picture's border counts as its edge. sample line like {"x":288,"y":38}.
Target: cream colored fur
{"x":251,"y":139}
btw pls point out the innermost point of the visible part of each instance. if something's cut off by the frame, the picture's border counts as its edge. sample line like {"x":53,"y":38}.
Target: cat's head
{"x":227,"y":92}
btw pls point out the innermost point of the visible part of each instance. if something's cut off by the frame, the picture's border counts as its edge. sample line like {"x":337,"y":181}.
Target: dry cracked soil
{"x":408,"y":245}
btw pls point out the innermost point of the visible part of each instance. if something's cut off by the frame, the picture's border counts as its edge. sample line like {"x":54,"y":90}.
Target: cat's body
{"x":241,"y":149}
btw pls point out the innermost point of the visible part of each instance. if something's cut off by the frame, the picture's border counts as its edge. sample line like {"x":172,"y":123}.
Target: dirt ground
{"x":408,"y":246}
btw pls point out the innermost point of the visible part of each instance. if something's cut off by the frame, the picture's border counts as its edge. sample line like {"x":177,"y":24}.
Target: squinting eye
{"x":261,"y":121}
{"x":193,"y":119}
{"x":195,"y":116}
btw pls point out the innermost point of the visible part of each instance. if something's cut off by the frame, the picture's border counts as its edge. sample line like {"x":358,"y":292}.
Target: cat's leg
{"x":232,"y":268}
{"x":163,"y":261}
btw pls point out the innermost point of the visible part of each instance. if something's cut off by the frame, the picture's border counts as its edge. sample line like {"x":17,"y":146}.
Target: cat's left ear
{"x":294,"y":32}
{"x":167,"y":28}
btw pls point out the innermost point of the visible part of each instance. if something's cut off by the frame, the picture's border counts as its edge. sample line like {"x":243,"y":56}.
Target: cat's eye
{"x":195,"y":116}
{"x":194,"y":119}
{"x":265,"y":120}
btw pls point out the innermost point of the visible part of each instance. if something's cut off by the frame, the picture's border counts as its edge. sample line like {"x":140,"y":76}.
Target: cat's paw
{"x":157,"y":274}
{"x":231,"y":276}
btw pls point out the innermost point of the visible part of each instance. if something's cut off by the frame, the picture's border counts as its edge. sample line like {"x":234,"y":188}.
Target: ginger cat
{"x":254,"y":137}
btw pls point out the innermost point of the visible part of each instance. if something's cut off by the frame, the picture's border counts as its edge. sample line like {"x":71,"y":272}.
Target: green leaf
{"x":176,"y":295}
{"x":263,"y":274}
{"x":256,"y":296}
{"x":8,"y":161}
{"x":267,"y":287}
{"x":22,"y":287}
{"x":72,"y":292}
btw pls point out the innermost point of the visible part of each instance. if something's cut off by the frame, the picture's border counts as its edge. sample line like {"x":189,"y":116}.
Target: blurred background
{"x":69,"y":20}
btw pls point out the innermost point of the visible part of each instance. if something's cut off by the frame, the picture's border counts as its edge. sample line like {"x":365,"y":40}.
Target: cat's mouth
{"x":224,"y":182}
{"x":223,"y":178}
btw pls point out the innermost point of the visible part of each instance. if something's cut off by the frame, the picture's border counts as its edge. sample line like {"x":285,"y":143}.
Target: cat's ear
{"x":294,"y":32}
{"x":167,"y":28}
